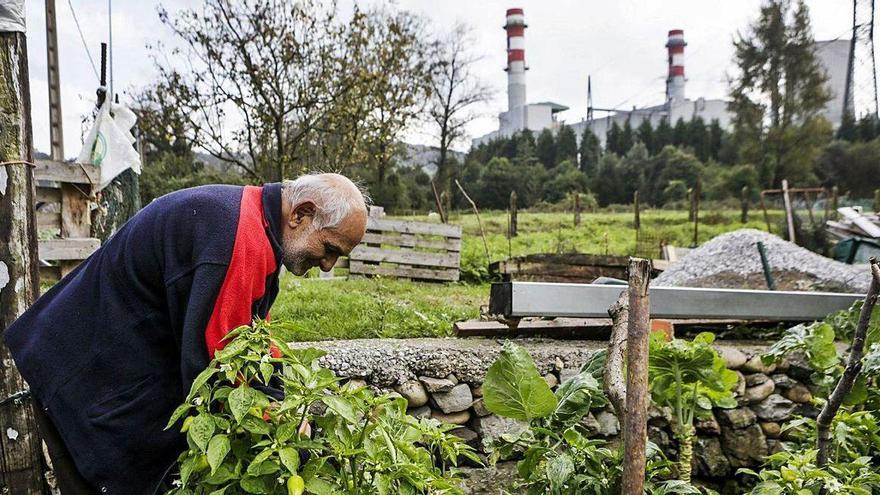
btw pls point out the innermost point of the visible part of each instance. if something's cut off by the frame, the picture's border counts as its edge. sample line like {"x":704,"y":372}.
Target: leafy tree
{"x":545,"y":148}
{"x":608,"y":182}
{"x":779,"y":93}
{"x":867,"y":128}
{"x":853,"y":167}
{"x":680,"y":133}
{"x":716,"y":139}
{"x":566,"y":144}
{"x":612,"y":139}
{"x":663,"y":136}
{"x":645,"y":134}
{"x":698,"y":138}
{"x":731,"y":181}
{"x":564,"y":179}
{"x":627,"y":139}
{"x":455,"y":89}
{"x":847,"y":130}
{"x":590,"y":150}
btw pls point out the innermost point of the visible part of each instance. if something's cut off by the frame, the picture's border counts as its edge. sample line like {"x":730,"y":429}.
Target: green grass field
{"x":363,"y":308}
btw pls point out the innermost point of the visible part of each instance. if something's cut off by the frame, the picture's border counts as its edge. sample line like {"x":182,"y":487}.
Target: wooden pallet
{"x":63,"y":216}
{"x":413,"y":250}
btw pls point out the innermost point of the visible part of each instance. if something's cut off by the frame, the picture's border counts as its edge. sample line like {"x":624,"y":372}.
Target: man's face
{"x":306,"y":247}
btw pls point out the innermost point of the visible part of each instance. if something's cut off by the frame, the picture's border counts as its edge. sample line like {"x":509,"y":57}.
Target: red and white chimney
{"x":675,"y":80}
{"x":516,"y":59}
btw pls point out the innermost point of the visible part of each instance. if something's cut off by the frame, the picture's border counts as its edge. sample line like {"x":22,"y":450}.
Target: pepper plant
{"x":691,"y":378}
{"x":242,"y":440}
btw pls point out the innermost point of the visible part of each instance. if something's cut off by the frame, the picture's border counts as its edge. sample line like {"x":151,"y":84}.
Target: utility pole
{"x":20,"y":445}
{"x":56,"y":133}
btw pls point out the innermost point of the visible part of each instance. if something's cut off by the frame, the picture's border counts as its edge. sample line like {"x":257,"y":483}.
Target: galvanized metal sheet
{"x":519,"y":299}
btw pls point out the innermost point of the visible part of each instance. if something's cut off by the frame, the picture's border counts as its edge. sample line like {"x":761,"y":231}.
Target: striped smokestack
{"x":516,"y":59}
{"x":675,"y":80}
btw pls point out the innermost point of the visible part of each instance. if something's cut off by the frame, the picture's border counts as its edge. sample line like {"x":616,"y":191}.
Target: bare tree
{"x":277,"y":87}
{"x":455,"y":91}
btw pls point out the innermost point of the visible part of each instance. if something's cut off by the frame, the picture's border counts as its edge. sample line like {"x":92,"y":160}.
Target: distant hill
{"x":420,"y":155}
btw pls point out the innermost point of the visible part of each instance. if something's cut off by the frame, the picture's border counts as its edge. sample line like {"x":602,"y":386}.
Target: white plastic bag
{"x":110,"y":143}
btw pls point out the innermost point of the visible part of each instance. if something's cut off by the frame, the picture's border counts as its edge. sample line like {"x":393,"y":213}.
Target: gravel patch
{"x":731,"y":260}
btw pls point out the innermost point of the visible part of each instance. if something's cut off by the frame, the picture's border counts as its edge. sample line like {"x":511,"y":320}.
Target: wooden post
{"x":696,"y":209}
{"x":690,"y":200}
{"x":438,"y":204}
{"x":835,"y":193}
{"x":789,"y":214}
{"x":766,"y":214}
{"x":20,"y":445}
{"x":635,"y":423}
{"x":56,"y":134}
{"x":577,"y":209}
{"x":744,"y":202}
{"x":876,"y":200}
{"x":513,"y":213}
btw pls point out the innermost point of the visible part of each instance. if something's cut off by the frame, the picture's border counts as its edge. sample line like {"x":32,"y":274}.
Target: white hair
{"x":334,"y":195}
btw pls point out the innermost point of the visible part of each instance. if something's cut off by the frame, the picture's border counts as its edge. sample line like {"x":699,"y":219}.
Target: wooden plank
{"x":48,"y":195}
{"x":861,"y":222}
{"x":49,"y":221}
{"x":366,"y":253}
{"x":68,"y":249}
{"x":412,"y":242}
{"x":357,"y":267}
{"x":405,"y":227}
{"x":67,"y":172}
{"x":75,"y":218}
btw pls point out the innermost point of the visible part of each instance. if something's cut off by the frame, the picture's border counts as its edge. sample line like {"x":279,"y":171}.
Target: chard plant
{"x":558,"y":457}
{"x":691,"y":378}
{"x":796,"y":473}
{"x":242,"y":441}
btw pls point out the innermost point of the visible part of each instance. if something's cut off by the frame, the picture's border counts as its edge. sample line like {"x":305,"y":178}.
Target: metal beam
{"x":520,"y":299}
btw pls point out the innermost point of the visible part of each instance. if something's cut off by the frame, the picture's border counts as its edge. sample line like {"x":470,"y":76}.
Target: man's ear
{"x":304,"y":210}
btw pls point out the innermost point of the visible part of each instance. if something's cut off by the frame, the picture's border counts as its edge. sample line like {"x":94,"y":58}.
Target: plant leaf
{"x":201,"y":430}
{"x":218,"y":447}
{"x":290,"y":458}
{"x":513,"y":388}
{"x":240,"y":401}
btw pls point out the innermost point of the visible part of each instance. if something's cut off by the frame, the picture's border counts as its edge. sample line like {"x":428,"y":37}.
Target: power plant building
{"x":539,"y":116}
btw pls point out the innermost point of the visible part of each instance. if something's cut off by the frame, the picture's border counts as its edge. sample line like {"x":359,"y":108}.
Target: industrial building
{"x":536,"y":117}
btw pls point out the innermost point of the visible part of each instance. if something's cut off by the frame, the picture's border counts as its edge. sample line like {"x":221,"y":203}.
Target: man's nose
{"x":327,"y":263}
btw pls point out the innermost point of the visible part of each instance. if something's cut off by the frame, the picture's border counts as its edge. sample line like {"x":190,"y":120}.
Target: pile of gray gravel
{"x":731,"y":260}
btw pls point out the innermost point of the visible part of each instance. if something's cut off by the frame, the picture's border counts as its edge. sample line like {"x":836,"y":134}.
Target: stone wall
{"x":442,"y":378}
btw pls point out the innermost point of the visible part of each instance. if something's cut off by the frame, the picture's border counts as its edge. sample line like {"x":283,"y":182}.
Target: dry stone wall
{"x":442,"y":378}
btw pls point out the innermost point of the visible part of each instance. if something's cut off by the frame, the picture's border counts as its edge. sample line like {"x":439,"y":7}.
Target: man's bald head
{"x":325,"y":217}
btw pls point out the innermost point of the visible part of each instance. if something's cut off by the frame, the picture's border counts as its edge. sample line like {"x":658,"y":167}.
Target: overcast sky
{"x":620,"y":43}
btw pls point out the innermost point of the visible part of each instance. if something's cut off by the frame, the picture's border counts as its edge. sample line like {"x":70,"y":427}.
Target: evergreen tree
{"x":566,"y":144}
{"x":867,"y":128}
{"x":627,"y":138}
{"x":716,"y":139}
{"x":590,"y":151}
{"x":545,"y":148}
{"x":698,"y":138}
{"x":680,"y":133}
{"x":847,"y":130}
{"x":662,"y":136}
{"x":779,"y":93}
{"x":645,"y":134}
{"x":525,"y":146}
{"x":612,"y":139}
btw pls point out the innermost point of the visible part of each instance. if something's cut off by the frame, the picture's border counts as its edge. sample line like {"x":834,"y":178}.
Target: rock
{"x":356,"y":383}
{"x":783,"y":365}
{"x":709,"y":460}
{"x":591,"y":424}
{"x":799,"y":367}
{"x":659,"y":416}
{"x":456,"y":418}
{"x":783,"y":381}
{"x":490,"y":480}
{"x":414,"y":393}
{"x":737,"y":418}
{"x":491,"y":427}
{"x":608,"y":424}
{"x":567,"y":373}
{"x":419,"y":412}
{"x":457,"y":399}
{"x":551,"y":380}
{"x":771,"y":429}
{"x":774,"y":447}
{"x":799,"y":393}
{"x":774,"y":408}
{"x":436,"y":384}
{"x":745,"y":447}
{"x":479,"y":406}
{"x":734,"y":358}
{"x":452,"y":378}
{"x":756,"y":379}
{"x":661,"y":438}
{"x":740,"y":388}
{"x":708,"y":426}
{"x":759,"y":392}
{"x":477,"y":391}
{"x":468,"y":435}
{"x":755,"y":365}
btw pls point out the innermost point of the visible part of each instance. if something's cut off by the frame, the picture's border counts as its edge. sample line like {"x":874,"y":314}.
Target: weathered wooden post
{"x":690,"y":201}
{"x":789,"y":213}
{"x":744,"y":203}
{"x":635,"y":421}
{"x":513,"y":213}
{"x":20,"y":445}
{"x":577,"y":209}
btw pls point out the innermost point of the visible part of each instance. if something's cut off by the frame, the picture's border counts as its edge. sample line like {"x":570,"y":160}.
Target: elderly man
{"x":112,"y":349}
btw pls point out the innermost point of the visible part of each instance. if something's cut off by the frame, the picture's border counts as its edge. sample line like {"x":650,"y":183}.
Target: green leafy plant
{"x":796,"y":473}
{"x":243,"y":441}
{"x":558,"y":457}
{"x":854,"y":435}
{"x":692,"y":379}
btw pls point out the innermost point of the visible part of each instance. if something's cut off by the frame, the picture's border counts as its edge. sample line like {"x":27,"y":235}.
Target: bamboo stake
{"x":789,"y":214}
